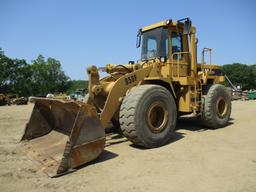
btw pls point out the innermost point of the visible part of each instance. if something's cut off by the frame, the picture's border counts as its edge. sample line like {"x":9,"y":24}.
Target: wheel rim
{"x":157,"y":117}
{"x":221,"y":107}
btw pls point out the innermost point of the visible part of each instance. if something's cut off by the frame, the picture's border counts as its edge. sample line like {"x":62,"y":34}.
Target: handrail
{"x":194,"y":105}
{"x":202,"y":57}
{"x":178,"y":63}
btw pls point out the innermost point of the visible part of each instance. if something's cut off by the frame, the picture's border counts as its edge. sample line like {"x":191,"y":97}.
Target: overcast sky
{"x":81,"y":33}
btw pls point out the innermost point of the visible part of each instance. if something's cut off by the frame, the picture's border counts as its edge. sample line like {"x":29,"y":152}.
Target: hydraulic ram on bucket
{"x":62,"y":135}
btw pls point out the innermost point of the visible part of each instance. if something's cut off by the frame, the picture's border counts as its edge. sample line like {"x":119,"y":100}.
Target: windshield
{"x":154,"y":44}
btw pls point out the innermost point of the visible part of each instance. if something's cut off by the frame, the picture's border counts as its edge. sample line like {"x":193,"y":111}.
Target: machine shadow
{"x":175,"y":137}
{"x":115,"y":138}
{"x":111,"y":139}
{"x":192,"y":123}
{"x":104,"y":156}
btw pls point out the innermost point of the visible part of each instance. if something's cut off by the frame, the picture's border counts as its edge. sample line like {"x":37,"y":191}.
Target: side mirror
{"x":138,"y":39}
{"x":187,"y":27}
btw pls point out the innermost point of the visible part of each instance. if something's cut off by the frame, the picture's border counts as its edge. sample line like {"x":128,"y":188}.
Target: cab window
{"x":177,"y":45}
{"x":152,"y":47}
{"x":154,"y":43}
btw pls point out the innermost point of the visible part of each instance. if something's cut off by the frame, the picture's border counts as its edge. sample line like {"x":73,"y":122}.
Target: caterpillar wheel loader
{"x":144,"y":98}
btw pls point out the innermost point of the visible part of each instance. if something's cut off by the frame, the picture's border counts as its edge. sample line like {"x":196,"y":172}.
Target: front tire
{"x":148,"y":116}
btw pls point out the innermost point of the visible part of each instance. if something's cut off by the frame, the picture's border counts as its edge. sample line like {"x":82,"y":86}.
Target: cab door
{"x":179,"y":55}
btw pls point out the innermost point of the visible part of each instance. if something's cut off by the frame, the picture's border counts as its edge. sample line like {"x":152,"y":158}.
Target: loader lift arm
{"x":117,"y":91}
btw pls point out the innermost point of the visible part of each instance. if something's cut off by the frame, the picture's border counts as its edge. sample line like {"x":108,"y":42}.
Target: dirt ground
{"x":197,"y":159}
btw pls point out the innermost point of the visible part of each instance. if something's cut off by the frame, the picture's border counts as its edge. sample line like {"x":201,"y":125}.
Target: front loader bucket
{"x":62,"y":135}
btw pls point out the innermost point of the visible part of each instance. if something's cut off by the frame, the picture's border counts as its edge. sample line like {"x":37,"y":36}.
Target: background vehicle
{"x":4,"y":99}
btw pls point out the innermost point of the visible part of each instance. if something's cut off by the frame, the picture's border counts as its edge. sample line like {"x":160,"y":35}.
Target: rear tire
{"x":148,"y":116}
{"x":216,"y":107}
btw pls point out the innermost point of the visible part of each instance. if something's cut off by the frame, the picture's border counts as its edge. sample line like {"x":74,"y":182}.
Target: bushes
{"x":241,"y":74}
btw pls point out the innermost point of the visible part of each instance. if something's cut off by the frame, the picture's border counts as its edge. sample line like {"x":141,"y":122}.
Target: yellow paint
{"x":184,"y":78}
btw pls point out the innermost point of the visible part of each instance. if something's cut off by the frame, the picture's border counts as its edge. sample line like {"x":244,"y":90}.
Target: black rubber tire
{"x":133,"y":115}
{"x":209,"y":115}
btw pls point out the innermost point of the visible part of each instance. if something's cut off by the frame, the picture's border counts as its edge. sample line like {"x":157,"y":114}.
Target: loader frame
{"x":185,"y":79}
{"x":62,"y":135}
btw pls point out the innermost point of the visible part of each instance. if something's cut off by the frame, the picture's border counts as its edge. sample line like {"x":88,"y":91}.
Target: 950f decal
{"x":130,"y":79}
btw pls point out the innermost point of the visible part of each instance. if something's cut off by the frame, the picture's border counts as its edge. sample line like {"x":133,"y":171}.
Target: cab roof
{"x":156,"y":25}
{"x":164,"y":23}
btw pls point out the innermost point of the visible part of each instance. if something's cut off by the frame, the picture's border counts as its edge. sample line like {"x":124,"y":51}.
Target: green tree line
{"x":40,"y":77}
{"x":44,"y":76}
{"x":241,"y":74}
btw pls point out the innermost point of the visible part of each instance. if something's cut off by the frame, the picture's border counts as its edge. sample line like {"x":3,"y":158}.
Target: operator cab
{"x":167,"y":41}
{"x":157,"y":38}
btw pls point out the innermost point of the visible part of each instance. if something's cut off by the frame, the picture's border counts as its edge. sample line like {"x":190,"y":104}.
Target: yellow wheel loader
{"x":144,"y":98}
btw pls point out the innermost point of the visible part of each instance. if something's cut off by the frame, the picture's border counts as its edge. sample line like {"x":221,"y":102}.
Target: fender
{"x":119,"y":90}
